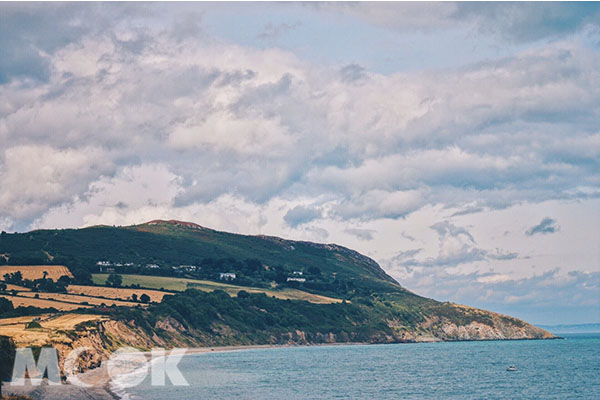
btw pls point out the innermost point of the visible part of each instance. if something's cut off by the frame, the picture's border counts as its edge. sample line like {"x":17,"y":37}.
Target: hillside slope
{"x":376,"y":308}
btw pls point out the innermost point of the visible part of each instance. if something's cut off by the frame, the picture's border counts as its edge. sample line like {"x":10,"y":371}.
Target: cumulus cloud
{"x":547,"y":225}
{"x":362,"y":234}
{"x":36,"y":177}
{"x":379,"y":204}
{"x":456,"y":246}
{"x":301,"y":215}
{"x":383,"y":149}
{"x":135,"y":194}
{"x":352,"y":73}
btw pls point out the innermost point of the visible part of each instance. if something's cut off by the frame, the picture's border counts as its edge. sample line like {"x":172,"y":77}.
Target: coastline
{"x":99,"y":383}
{"x":101,"y":386}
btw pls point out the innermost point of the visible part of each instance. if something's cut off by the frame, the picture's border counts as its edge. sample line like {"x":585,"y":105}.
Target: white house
{"x":189,"y":268}
{"x":291,"y":279}
{"x":103,"y":263}
{"x":227,"y":276}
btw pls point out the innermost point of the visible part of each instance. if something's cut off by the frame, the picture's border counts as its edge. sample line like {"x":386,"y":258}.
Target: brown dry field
{"x":33,"y":272}
{"x":51,"y":324}
{"x":72,"y":298}
{"x":42,"y":303}
{"x":116,"y":293}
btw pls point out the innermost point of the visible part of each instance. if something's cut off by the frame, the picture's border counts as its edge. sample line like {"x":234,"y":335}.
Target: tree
{"x":144,"y":298}
{"x":64,"y":280}
{"x":134,"y":297}
{"x":2,"y":286}
{"x":5,"y":305}
{"x":114,"y":280}
{"x":81,"y":276}
{"x":7,"y":355}
{"x":15,"y":278}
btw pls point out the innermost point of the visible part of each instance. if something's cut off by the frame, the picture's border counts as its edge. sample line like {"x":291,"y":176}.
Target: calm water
{"x":555,"y":369}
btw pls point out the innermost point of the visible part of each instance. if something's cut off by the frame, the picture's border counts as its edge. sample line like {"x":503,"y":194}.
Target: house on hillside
{"x":294,"y":279}
{"x":188,"y":268}
{"x":227,"y":276}
{"x":103,"y":263}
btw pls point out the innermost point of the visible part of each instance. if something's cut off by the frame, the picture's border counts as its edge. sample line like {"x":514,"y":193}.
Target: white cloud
{"x":34,"y":178}
{"x":223,"y":131}
{"x":378,"y":204}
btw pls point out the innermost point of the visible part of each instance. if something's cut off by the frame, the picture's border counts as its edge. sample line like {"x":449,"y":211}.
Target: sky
{"x":457,"y":144}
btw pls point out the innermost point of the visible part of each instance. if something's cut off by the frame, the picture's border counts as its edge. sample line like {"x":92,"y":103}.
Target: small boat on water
{"x":511,"y":368}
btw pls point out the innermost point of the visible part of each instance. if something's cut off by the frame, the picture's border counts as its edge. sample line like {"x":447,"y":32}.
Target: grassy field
{"x":116,"y":293}
{"x":53,"y":326}
{"x":71,"y":298}
{"x":33,"y":272}
{"x":42,"y":303}
{"x":181,"y":284}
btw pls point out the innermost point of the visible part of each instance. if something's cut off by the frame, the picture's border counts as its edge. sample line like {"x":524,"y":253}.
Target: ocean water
{"x":551,"y":369}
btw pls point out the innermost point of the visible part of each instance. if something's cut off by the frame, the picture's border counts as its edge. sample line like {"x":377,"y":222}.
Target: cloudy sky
{"x":456,"y":144}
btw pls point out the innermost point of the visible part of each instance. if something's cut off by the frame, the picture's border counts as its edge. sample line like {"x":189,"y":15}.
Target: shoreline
{"x":101,"y":387}
{"x":100,"y":383}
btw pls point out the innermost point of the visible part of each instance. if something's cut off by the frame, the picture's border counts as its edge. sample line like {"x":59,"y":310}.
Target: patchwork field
{"x":53,"y":326}
{"x":33,"y":272}
{"x":76,"y":299}
{"x":42,"y":303}
{"x":116,"y":293}
{"x":181,"y":284}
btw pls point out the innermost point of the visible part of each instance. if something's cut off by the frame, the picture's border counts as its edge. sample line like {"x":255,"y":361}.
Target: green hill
{"x":376,"y":307}
{"x":161,"y":247}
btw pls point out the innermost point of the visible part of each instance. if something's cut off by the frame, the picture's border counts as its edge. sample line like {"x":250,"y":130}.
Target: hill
{"x":173,"y":248}
{"x":227,"y":288}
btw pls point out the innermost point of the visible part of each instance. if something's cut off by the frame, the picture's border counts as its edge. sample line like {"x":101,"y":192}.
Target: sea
{"x":546,"y":369}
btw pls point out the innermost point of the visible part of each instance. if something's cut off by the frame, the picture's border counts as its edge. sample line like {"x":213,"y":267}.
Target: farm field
{"x":181,"y":284}
{"x":116,"y":293}
{"x":52,"y":325}
{"x":33,"y":272}
{"x":72,"y":298}
{"x":42,"y":303}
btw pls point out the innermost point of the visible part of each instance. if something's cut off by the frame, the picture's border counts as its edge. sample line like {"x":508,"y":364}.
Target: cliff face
{"x":105,"y":336}
{"x":484,"y":325}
